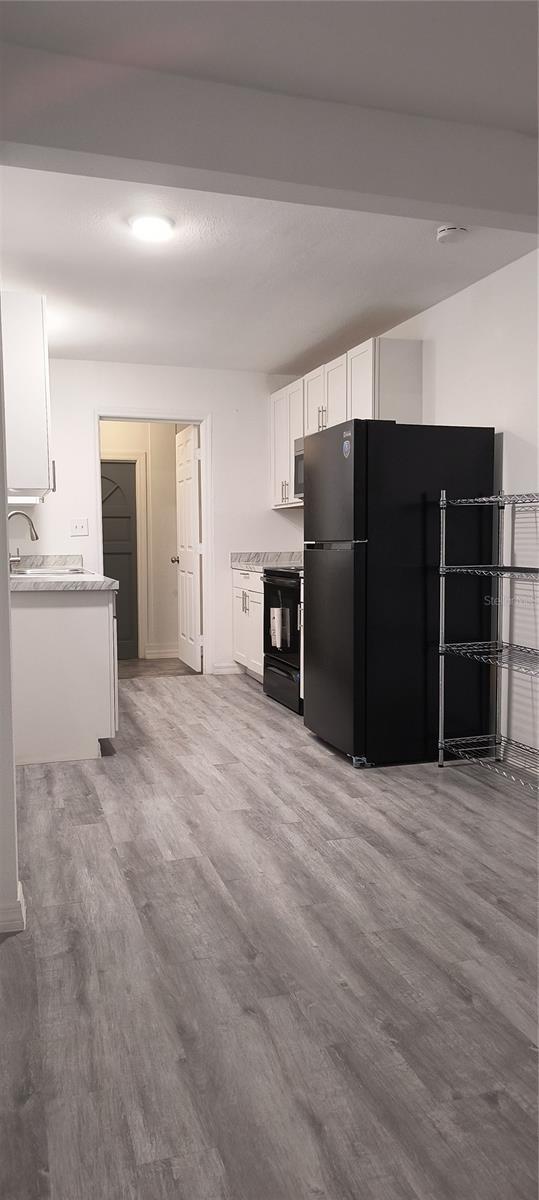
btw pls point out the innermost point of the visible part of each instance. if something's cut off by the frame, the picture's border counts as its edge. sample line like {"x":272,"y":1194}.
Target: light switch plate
{"x":79,"y":528}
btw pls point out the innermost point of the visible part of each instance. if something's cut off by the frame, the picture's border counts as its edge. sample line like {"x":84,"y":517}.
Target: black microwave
{"x":298,"y":469}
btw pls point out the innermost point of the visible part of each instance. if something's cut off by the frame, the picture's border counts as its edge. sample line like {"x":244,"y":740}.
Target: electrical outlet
{"x":79,"y":528}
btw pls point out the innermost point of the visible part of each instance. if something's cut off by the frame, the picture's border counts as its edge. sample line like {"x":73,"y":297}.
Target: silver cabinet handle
{"x":324,"y":418}
{"x":299,"y":617}
{"x":243,"y":602}
{"x":175,"y":558}
{"x":53,"y":465}
{"x":286,"y":493}
{"x":319,"y":420}
{"x":247,"y":603}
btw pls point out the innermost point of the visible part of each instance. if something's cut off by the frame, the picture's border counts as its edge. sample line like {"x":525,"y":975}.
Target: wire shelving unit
{"x":511,"y":759}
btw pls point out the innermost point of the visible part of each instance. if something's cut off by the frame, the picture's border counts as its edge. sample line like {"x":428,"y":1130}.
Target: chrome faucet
{"x":34,"y":536}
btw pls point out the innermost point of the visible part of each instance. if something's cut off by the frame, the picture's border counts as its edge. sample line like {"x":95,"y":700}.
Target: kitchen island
{"x":64,"y":660}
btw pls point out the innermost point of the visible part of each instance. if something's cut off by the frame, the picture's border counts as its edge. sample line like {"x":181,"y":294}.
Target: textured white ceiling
{"x":246,"y":283}
{"x":462,"y":60}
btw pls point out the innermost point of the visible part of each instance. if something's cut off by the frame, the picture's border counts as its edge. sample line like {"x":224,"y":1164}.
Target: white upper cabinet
{"x":286,"y":426}
{"x":26,"y":393}
{"x":385,"y":380}
{"x":314,"y":400}
{"x":361,"y":381}
{"x":335,"y":392}
{"x":296,"y":430}
{"x":280,"y":445}
{"x":399,"y":380}
{"x":381,"y":379}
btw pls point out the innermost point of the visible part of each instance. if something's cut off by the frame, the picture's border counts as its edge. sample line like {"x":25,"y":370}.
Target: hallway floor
{"x":147,"y":668}
{"x":253,"y":973}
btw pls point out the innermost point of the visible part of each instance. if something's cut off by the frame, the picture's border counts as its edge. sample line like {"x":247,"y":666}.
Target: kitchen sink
{"x":46,"y":572}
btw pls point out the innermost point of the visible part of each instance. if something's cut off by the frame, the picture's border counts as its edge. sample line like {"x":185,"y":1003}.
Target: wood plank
{"x":252,"y":973}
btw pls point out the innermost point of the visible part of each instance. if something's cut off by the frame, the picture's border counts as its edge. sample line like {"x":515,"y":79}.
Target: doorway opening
{"x":151,"y":520}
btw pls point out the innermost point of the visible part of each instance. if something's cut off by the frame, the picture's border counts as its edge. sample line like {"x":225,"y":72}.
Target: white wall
{"x":480,"y":363}
{"x":157,"y":440}
{"x":12,"y":910}
{"x":238,"y":404}
{"x":480,"y":368}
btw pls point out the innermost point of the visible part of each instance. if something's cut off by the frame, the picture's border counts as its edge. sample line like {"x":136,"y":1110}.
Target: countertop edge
{"x":100,"y":584}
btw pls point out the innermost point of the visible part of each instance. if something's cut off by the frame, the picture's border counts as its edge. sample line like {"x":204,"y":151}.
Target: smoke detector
{"x":451,"y":233}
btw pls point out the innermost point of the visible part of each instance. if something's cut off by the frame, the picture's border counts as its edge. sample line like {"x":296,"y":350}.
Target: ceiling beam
{"x":79,"y":116}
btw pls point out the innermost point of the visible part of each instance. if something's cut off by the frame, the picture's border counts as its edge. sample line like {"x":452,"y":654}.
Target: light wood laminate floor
{"x":253,"y":973}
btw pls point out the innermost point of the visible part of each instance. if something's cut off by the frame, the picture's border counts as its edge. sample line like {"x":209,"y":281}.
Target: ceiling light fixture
{"x":151,"y":228}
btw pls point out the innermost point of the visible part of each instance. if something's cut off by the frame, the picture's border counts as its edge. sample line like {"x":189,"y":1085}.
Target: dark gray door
{"x":118,"y":499}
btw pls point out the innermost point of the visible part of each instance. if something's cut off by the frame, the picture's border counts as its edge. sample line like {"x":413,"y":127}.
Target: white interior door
{"x":189,"y":550}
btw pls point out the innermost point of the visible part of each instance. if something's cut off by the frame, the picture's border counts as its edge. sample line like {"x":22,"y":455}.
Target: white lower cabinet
{"x":65,"y":695}
{"x":248,"y":621}
{"x":255,"y":633}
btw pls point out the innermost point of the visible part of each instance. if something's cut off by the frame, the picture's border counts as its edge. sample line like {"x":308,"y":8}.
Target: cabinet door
{"x":240,"y":626}
{"x":26,"y":392}
{"x":335,"y":392}
{"x":313,"y":392}
{"x":399,"y":372}
{"x":255,"y":627}
{"x":361,"y":381}
{"x":280,"y":446}
{"x":295,"y":419}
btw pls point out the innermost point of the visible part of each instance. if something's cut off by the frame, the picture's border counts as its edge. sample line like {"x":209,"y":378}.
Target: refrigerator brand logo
{"x":346,"y":448}
{"x":347,"y":433}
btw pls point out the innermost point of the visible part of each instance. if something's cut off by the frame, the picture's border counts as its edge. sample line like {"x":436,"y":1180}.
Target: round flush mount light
{"x":150,"y":228}
{"x":451,"y":233}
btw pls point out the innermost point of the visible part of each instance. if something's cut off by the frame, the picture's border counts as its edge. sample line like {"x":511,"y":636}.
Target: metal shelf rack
{"x":510,"y":759}
{"x":505,"y":757}
{"x":498,"y":654}
{"x":531,"y":573}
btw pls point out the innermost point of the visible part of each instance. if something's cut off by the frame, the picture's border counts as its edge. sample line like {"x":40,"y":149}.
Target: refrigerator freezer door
{"x":334,"y":631}
{"x":335,"y":483}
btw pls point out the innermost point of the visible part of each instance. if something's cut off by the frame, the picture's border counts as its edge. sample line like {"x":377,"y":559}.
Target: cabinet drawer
{"x":248,"y":581}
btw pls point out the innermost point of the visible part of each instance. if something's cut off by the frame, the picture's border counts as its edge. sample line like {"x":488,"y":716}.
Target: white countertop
{"x":57,"y":573}
{"x":85,"y":582}
{"x":259,"y":560}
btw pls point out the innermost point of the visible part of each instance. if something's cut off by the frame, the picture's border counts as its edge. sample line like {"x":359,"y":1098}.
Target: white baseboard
{"x":231,"y":668}
{"x":13,"y":916}
{"x":168,"y":651}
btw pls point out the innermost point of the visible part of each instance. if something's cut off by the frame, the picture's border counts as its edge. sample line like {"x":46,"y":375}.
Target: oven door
{"x":298,"y":469}
{"x":282,"y":618}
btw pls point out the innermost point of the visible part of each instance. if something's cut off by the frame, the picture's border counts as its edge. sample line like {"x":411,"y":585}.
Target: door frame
{"x":205,"y":425}
{"x":139,"y":458}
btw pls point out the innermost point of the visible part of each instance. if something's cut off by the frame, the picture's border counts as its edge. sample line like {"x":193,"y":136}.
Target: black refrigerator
{"x":371,"y":614}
